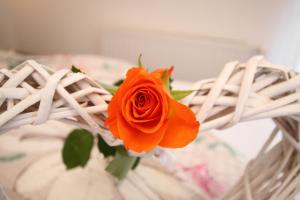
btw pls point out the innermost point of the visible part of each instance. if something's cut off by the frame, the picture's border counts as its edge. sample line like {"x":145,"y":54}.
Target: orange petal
{"x":113,"y":107}
{"x":113,"y":126}
{"x":133,"y":73}
{"x":136,"y":140}
{"x":182,"y":127}
{"x":112,"y":111}
{"x":162,"y":72}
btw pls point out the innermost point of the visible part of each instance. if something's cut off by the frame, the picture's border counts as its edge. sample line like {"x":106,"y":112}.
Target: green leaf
{"x":180,"y":94}
{"x":77,"y":148}
{"x":140,"y":64}
{"x":119,"y":82}
{"x":121,"y":164}
{"x":75,"y":69}
{"x":104,"y":148}
{"x":136,"y":163}
{"x":110,"y":88}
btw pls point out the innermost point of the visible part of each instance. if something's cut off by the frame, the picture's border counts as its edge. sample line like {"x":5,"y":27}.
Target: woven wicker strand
{"x":32,"y":94}
{"x":255,"y":90}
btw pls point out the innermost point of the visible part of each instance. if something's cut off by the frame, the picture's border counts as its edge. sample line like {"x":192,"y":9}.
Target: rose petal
{"x":152,"y":123}
{"x":131,"y":73}
{"x":182,"y":126}
{"x":158,"y":73}
{"x":113,"y":107}
{"x":136,"y":140}
{"x":112,"y":111}
{"x":135,"y":75}
{"x":113,"y":126}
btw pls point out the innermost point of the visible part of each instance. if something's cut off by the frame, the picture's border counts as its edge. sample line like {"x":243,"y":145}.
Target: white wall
{"x":285,"y":46}
{"x":66,"y":21}
{"x":207,"y":33}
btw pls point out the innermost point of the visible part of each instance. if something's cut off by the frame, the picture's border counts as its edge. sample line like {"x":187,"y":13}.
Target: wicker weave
{"x":255,"y":90}
{"x":32,"y":94}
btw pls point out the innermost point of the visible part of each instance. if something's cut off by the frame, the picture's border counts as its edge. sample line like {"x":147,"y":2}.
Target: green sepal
{"x":166,"y":80}
{"x":119,"y":82}
{"x":180,"y":94}
{"x":170,"y":83}
{"x":140,"y":63}
{"x":110,"y":88}
{"x":104,"y":148}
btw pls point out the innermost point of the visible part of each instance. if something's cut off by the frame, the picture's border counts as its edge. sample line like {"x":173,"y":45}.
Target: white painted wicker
{"x":32,"y":93}
{"x":255,"y":90}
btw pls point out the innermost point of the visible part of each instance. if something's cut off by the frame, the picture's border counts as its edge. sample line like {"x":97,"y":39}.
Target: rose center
{"x":141,"y":100}
{"x":144,"y":106}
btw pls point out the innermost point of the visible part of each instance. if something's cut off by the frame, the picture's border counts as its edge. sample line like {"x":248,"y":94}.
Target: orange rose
{"x":143,"y":114}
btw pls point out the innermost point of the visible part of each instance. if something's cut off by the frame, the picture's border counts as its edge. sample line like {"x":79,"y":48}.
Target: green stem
{"x":121,"y":164}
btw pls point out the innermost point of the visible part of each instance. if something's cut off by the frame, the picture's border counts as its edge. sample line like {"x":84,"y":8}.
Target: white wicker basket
{"x":255,"y":90}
